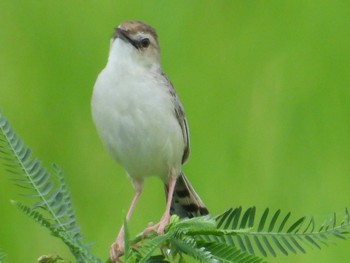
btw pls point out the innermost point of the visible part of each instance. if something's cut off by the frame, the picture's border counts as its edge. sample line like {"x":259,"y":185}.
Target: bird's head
{"x":137,"y":42}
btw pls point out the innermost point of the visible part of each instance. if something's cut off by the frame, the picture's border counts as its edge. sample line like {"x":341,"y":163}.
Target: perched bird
{"x":142,"y":123}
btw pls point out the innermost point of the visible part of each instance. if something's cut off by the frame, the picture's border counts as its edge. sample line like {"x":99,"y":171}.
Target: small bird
{"x":142,"y":123}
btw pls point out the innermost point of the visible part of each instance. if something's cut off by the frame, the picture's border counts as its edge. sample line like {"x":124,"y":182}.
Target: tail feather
{"x":186,"y":202}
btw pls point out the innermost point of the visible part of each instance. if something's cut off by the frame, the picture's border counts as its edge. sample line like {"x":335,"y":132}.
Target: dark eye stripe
{"x":123,"y":35}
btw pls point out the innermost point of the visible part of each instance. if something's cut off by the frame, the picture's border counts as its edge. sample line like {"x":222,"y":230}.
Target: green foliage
{"x":235,"y":236}
{"x":52,"y":207}
{"x":184,"y":238}
{"x":269,"y":237}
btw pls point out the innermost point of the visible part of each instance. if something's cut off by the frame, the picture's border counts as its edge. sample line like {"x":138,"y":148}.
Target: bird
{"x":142,"y":123}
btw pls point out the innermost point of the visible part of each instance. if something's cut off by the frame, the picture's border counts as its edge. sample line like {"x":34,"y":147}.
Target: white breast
{"x":134,"y":116}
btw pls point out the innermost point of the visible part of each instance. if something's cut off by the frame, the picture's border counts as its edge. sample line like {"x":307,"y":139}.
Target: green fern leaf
{"x":268,"y":245}
{"x":195,"y":225}
{"x":296,"y":226}
{"x":228,"y":254}
{"x":188,"y":245}
{"x":81,"y":252}
{"x":284,"y":221}
{"x":274,"y":220}
{"x":267,"y":237}
{"x":150,"y":245}
{"x":216,"y":239}
{"x":263,"y":220}
{"x":49,"y":191}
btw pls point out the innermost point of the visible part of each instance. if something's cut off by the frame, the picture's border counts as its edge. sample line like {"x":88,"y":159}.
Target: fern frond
{"x":76,"y":248}
{"x":183,"y":238}
{"x":196,"y":225}
{"x":49,"y":192}
{"x":35,"y":178}
{"x":225,"y":253}
{"x":150,"y":245}
{"x":268,"y":237}
{"x":188,"y":245}
{"x":240,"y":236}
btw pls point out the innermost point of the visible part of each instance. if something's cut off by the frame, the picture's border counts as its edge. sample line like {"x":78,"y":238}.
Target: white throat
{"x":123,"y":55}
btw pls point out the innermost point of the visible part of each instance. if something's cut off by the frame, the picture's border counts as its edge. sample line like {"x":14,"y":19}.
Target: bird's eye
{"x":145,"y":42}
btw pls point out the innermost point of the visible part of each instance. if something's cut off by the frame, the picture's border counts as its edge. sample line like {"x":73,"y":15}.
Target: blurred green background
{"x":265,"y":85}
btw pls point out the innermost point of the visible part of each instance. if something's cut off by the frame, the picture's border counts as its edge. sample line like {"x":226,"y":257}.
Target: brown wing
{"x":180,"y":115}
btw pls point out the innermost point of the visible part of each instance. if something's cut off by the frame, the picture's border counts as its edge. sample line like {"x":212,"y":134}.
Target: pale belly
{"x":139,"y":129}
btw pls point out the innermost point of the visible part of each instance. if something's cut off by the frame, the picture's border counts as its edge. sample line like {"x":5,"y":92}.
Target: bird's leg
{"x":117,"y":247}
{"x":164,"y":221}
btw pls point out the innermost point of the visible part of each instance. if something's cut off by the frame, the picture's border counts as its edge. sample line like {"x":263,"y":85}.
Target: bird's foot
{"x":159,"y":227}
{"x":117,"y":250}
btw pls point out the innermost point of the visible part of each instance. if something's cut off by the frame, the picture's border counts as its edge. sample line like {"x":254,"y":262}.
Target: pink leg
{"x":160,"y":226}
{"x":117,"y":247}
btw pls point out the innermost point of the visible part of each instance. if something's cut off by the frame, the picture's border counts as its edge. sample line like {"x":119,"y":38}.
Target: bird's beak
{"x":124,"y":35}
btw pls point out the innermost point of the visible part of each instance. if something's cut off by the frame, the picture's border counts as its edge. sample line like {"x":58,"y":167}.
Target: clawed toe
{"x":158,"y":228}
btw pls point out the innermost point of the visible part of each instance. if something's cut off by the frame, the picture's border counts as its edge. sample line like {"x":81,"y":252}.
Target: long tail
{"x":186,"y":202}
